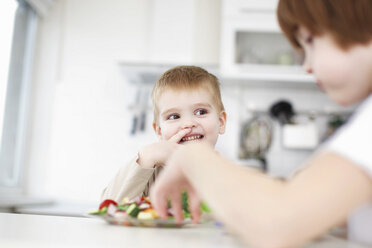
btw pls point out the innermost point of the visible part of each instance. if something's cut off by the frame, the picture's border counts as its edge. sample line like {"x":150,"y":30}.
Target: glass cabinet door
{"x":265,"y":48}
{"x":253,"y":46}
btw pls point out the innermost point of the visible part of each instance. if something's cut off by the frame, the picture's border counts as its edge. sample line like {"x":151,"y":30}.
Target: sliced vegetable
{"x":205,"y":208}
{"x":148,"y":214}
{"x":106,"y":203}
{"x":103,"y":210}
{"x":141,"y":208}
{"x":123,"y":207}
{"x":133,"y":210}
{"x":185,"y":205}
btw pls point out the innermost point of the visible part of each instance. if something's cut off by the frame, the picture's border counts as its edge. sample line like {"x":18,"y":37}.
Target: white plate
{"x":143,"y":223}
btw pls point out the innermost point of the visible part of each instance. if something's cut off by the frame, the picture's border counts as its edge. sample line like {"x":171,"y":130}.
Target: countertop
{"x":24,"y":230}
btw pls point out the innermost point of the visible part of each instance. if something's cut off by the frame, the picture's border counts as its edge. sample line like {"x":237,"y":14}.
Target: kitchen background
{"x":94,"y":66}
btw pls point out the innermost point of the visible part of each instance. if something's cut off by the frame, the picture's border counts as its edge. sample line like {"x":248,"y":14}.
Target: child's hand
{"x":158,"y":153}
{"x":169,"y":187}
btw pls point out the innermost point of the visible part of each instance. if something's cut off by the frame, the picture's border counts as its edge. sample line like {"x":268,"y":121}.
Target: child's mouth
{"x":191,"y":138}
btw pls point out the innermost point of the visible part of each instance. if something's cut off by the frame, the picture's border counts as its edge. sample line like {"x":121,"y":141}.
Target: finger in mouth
{"x":191,"y":138}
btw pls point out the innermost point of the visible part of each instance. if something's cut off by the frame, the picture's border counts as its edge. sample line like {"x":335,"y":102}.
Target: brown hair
{"x":348,"y":21}
{"x":186,"y":78}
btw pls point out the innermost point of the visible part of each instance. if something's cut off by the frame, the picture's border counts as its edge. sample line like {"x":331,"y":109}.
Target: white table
{"x":23,"y":230}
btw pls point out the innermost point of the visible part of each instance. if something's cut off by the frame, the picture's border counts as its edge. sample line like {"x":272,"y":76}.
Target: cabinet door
{"x":253,"y":47}
{"x":184,"y":31}
{"x":240,"y":8}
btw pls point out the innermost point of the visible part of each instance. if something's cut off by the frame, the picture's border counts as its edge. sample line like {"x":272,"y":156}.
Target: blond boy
{"x":187,"y":109}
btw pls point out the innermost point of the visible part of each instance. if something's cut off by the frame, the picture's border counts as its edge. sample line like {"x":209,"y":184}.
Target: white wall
{"x":80,"y":120}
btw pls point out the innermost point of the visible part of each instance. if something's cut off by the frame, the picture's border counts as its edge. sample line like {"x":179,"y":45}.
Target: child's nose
{"x":307,"y":66}
{"x":189,"y":123}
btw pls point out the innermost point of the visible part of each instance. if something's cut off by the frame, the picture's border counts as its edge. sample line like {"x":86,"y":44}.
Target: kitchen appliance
{"x":255,"y":139}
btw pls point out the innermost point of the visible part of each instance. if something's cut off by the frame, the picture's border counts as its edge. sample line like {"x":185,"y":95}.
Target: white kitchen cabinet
{"x":253,"y":47}
{"x":184,"y":31}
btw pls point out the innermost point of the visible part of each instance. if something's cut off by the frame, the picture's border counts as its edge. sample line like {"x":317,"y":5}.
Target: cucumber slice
{"x":125,"y":207}
{"x":133,"y":210}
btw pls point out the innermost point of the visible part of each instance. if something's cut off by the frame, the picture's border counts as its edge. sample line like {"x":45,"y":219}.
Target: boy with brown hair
{"x":187,"y":109}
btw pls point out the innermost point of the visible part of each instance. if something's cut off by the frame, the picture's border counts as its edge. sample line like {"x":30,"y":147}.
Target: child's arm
{"x":264,"y":211}
{"x":158,"y":153}
{"x":136,"y":177}
{"x":131,"y":181}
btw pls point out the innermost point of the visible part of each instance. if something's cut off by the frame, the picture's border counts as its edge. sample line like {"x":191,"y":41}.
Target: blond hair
{"x":186,"y":78}
{"x":348,"y":21}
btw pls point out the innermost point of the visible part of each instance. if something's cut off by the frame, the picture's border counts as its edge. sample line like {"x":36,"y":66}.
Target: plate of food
{"x":140,"y":212}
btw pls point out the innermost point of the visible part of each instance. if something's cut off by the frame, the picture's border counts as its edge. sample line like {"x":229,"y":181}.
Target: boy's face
{"x":345,"y":75}
{"x":192,"y":109}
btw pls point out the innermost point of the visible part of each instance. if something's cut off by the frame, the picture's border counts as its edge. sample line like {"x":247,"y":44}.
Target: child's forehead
{"x":177,"y":91}
{"x":183,"y":98}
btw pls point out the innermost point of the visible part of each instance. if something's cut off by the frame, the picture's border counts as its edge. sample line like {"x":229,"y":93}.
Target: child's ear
{"x":157,"y":129}
{"x":222,"y":120}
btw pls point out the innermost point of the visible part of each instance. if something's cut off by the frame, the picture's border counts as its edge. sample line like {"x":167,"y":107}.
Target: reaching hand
{"x":158,"y":153}
{"x":170,"y":185}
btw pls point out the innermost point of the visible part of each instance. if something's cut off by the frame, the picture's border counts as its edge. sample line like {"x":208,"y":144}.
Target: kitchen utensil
{"x":255,"y":139}
{"x":136,"y":116}
{"x":283,"y":111}
{"x":143,"y":115}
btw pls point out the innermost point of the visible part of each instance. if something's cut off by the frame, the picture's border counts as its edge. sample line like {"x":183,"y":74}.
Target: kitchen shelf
{"x":246,"y":75}
{"x":272,"y":73}
{"x":148,"y":73}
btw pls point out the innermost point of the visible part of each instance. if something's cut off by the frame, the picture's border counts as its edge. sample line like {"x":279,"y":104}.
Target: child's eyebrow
{"x":168,"y":111}
{"x":202,"y":104}
{"x":175,"y":110}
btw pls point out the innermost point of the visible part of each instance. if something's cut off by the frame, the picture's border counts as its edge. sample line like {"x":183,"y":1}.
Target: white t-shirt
{"x":354,"y":141}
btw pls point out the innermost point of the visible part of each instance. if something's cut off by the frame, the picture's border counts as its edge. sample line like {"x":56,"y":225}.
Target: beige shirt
{"x":132,"y":180}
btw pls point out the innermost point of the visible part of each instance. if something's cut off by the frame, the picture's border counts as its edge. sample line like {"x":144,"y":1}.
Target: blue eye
{"x":201,"y":112}
{"x":173,"y":117}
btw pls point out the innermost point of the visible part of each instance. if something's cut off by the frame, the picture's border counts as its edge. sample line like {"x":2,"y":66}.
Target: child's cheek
{"x":167,"y":133}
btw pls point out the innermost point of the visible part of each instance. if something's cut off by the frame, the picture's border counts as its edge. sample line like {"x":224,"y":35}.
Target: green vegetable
{"x":205,"y":208}
{"x":95,"y":212}
{"x":185,"y":205}
{"x":123,"y":207}
{"x":186,"y":214}
{"x":133,"y":210}
{"x":103,"y":211}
